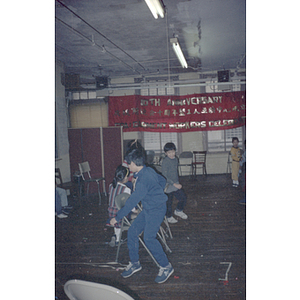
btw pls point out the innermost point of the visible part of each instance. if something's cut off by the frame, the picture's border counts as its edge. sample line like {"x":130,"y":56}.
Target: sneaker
{"x":180,"y":214}
{"x":164,"y":273}
{"x":112,"y":242}
{"x":172,"y":220}
{"x":61,"y":216}
{"x":131,"y":269}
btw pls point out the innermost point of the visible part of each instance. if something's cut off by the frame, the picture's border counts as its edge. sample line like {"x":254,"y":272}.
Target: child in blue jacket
{"x":149,"y":189}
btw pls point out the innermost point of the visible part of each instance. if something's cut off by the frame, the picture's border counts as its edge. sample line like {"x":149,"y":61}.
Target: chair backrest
{"x":186,"y":154}
{"x":150,"y":156}
{"x":229,"y":157}
{"x":199,"y":157}
{"x":85,"y":290}
{"x":84,"y":167}
{"x":121,"y":199}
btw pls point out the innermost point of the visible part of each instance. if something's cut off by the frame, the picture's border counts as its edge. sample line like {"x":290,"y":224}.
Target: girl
{"x":118,"y":186}
{"x":132,"y":144}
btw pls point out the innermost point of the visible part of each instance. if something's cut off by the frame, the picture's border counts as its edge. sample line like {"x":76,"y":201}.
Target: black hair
{"x":169,"y":146}
{"x":137,"y":156}
{"x":235,"y":139}
{"x":120,"y":174}
{"x":133,"y":144}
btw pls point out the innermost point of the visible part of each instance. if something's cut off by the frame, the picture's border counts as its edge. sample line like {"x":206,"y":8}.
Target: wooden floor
{"x":213,"y":233}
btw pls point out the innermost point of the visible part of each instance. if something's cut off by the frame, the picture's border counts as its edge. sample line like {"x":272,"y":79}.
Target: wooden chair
{"x":185,"y":160}
{"x":199,"y":161}
{"x":85,"y":169}
{"x":64,"y":185}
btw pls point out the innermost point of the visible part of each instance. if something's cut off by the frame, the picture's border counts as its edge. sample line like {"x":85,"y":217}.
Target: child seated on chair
{"x":173,"y":187}
{"x":118,"y":186}
{"x":236,"y":157}
{"x":149,"y":190}
{"x":133,"y":144}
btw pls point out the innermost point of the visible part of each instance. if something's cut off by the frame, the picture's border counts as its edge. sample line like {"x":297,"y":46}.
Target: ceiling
{"x":121,"y":37}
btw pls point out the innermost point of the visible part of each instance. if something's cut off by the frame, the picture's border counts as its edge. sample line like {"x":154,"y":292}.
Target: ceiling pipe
{"x":96,"y":30}
{"x":174,"y":84}
{"x":93,"y":43}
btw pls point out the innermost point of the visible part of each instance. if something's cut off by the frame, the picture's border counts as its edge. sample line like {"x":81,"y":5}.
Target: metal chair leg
{"x":168,"y":227}
{"x":99,"y":194}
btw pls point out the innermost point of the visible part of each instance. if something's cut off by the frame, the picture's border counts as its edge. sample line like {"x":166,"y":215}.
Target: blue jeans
{"x":149,"y":222}
{"x":57,"y":203}
{"x":181,"y":197}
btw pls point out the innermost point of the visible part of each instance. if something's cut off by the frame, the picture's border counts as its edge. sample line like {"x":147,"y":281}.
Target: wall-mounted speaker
{"x":223,"y":76}
{"x":71,"y":81}
{"x":101,"y":82}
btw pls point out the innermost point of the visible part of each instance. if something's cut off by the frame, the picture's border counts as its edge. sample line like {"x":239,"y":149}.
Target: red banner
{"x":213,"y":111}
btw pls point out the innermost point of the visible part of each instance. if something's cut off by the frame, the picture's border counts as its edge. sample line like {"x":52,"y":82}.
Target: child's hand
{"x":113,"y":221}
{"x":177,"y":185}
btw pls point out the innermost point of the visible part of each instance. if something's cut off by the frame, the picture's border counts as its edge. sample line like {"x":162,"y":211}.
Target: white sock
{"x":117,"y":233}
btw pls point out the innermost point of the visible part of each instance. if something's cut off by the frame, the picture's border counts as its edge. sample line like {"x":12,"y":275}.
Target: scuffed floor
{"x":202,"y":247}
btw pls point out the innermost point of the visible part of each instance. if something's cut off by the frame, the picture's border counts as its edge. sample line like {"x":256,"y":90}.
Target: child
{"x":236,"y":156}
{"x":173,"y":187}
{"x":149,"y":190}
{"x":115,"y":188}
{"x":133,"y":144}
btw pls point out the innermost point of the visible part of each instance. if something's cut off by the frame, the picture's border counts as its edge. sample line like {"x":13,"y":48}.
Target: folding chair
{"x":150,"y":156}
{"x":125,"y":224}
{"x":86,"y":290}
{"x":199,"y":160}
{"x":84,"y":168}
{"x":185,"y":160}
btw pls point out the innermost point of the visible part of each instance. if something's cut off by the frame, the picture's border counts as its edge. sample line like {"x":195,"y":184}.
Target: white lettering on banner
{"x":182,"y":102}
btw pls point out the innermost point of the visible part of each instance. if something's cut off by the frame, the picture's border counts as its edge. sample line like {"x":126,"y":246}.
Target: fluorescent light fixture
{"x":178,"y":51}
{"x":156,"y":8}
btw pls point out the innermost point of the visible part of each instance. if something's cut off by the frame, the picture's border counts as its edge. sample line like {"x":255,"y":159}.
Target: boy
{"x":149,"y":190}
{"x":173,"y":187}
{"x":236,"y":156}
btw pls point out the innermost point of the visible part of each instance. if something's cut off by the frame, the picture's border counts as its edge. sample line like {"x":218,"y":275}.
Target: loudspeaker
{"x":101,"y":82}
{"x":72,"y":81}
{"x":223,"y":76}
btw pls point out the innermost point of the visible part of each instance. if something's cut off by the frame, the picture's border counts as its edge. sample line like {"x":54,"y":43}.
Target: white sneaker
{"x":61,"y":216}
{"x":172,"y":220}
{"x":180,"y":214}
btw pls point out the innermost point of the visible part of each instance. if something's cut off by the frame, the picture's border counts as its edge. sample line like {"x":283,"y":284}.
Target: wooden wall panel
{"x":91,"y":149}
{"x":112,"y":151}
{"x":101,"y":147}
{"x":75,"y":151}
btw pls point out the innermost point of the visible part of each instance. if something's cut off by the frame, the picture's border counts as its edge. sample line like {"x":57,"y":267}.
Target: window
{"x":221,"y":140}
{"x":156,"y":140}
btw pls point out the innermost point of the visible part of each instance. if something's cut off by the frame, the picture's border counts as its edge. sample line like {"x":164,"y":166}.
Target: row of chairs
{"x":85,"y":176}
{"x":194,"y":160}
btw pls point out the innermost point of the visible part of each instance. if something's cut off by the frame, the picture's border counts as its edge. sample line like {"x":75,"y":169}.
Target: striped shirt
{"x":113,"y":192}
